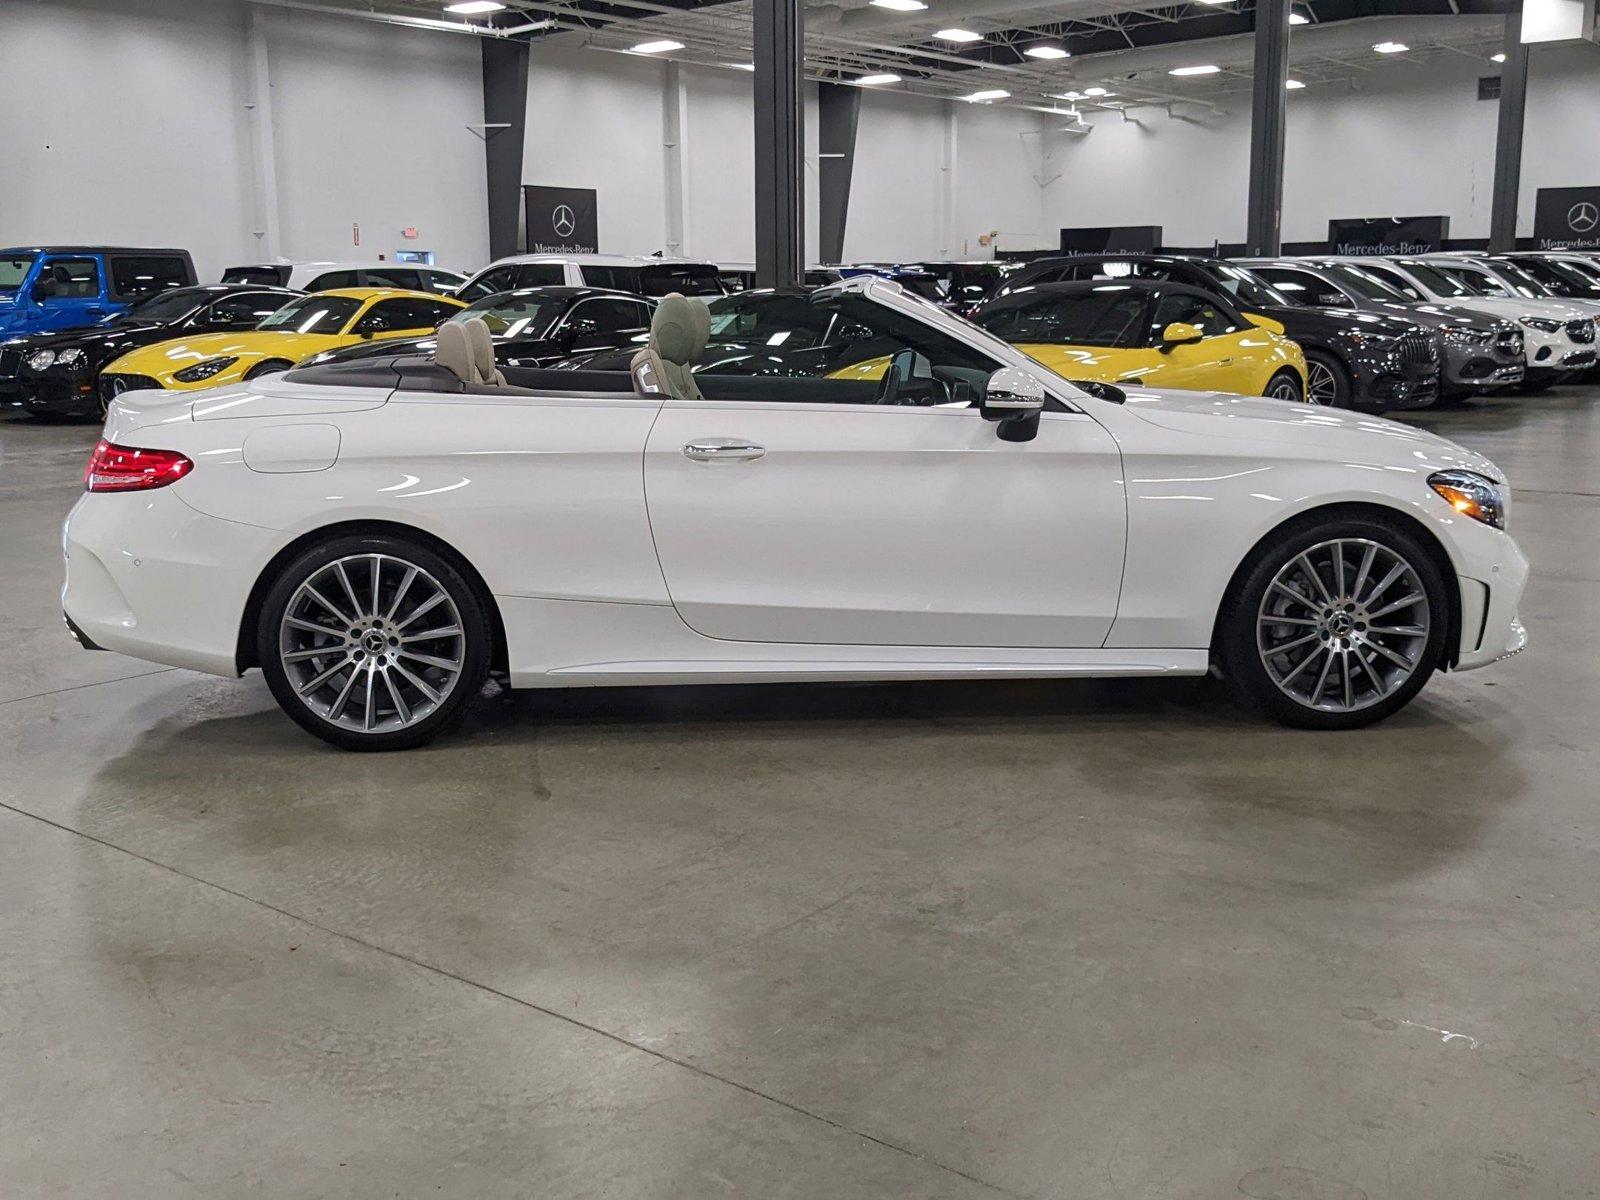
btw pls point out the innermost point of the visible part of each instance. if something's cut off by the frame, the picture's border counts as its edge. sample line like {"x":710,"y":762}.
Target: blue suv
{"x":48,"y":288}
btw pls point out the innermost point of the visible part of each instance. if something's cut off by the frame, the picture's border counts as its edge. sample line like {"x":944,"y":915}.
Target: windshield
{"x":769,"y":318}
{"x":320,"y":313}
{"x":510,"y":316}
{"x":1111,"y":315}
{"x":1520,"y":281}
{"x":1559,"y":277}
{"x":1246,"y":286}
{"x":13,"y":270}
{"x":1437,"y":282}
{"x":166,"y":306}
{"x":692,"y":279}
{"x":1365,"y":285}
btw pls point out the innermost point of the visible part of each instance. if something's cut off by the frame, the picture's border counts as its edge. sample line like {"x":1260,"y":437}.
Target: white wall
{"x":1408,"y":143}
{"x":595,"y":120}
{"x":136,"y":131}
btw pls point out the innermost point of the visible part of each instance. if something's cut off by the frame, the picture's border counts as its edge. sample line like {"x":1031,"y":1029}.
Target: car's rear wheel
{"x":1327,"y":382}
{"x":373,"y":642}
{"x":272,"y":366}
{"x":1334,"y":624}
{"x":1285,"y":385}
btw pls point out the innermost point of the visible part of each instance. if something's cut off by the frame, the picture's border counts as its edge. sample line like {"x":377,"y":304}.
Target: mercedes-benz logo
{"x":118,"y":386}
{"x":1582,"y":217}
{"x":562,"y":220}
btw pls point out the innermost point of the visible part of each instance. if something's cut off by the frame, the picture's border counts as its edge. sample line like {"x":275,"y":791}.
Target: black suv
{"x":1367,"y":362}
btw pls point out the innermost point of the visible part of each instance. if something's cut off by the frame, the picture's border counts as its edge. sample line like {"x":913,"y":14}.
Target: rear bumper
{"x":148,"y":576}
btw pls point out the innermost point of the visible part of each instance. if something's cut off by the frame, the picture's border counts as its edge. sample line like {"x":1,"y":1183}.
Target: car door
{"x":69,"y":292}
{"x":783,"y":520}
{"x":1220,"y":360}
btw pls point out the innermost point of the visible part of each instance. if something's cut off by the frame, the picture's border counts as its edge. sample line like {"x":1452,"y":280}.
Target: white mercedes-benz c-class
{"x":877,"y":490}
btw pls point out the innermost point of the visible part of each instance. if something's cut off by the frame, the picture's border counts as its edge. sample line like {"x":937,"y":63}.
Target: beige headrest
{"x":483,"y":364}
{"x":679,"y":329}
{"x":454,"y":352}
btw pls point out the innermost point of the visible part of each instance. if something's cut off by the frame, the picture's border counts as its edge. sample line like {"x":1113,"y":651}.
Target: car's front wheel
{"x":373,"y":642}
{"x":1334,"y":624}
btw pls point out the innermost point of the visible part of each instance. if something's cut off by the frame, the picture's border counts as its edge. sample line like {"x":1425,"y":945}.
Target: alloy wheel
{"x":1283,"y":388}
{"x":372,"y":643}
{"x":1321,"y":387}
{"x":1343,"y":624}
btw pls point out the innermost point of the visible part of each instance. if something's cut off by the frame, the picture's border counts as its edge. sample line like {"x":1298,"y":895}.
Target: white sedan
{"x":913,"y":500}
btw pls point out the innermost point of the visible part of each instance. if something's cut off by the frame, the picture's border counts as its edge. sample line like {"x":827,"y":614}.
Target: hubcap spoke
{"x":1332,"y":653}
{"x":350,"y":674}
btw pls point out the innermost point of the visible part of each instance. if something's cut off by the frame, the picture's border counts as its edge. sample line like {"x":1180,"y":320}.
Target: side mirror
{"x":43,"y":290}
{"x":1014,"y":398}
{"x":1334,"y":300}
{"x":1180,"y":333}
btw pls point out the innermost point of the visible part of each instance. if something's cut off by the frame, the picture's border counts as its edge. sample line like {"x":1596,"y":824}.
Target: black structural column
{"x":1268,"y":118}
{"x":505,"y":109}
{"x":1508,"y":138}
{"x":838,"y":107}
{"x":780,"y":130}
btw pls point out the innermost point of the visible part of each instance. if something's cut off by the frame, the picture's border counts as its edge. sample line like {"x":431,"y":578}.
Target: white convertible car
{"x":913,"y":500}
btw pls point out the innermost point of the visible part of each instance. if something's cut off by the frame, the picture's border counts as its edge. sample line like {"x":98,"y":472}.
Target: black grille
{"x":10,"y":363}
{"x":1581,"y":331}
{"x":1418,"y":348}
{"x":112,"y":386}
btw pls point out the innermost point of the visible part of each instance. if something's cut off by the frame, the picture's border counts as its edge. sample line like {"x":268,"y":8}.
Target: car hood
{"x":1327,"y":432}
{"x":1438,"y":313}
{"x":163,"y":358}
{"x":1516,"y":307}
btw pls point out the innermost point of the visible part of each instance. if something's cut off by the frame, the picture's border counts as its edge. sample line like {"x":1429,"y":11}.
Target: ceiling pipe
{"x":1237,"y":51}
{"x":947,"y":12}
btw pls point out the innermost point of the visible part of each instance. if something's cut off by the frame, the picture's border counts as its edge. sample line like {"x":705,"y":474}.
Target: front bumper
{"x":148,"y":576}
{"x":1491,"y":583}
{"x":1480,"y":367}
{"x":63,"y":395}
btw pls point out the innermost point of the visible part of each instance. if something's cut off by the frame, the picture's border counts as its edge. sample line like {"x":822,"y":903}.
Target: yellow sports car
{"x":1159,"y":334}
{"x":304,"y":326}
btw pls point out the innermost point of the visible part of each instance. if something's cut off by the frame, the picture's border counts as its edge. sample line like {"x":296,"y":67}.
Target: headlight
{"x":69,"y":358}
{"x":1471,"y":495}
{"x":1542,"y":324}
{"x":204,"y":370}
{"x":1465,"y":333}
{"x":40,"y":360}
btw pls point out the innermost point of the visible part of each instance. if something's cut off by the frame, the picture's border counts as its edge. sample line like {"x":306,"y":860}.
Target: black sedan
{"x":55,"y":373}
{"x":533,"y":327}
{"x":1353,"y":360}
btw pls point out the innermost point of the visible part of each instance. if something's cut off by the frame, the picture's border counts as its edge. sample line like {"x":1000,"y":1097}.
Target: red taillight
{"x":115,"y":468}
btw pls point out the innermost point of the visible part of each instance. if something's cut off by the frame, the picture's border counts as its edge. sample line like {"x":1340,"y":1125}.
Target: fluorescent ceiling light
{"x":991,"y":94}
{"x":1096,"y":91}
{"x":741,"y":66}
{"x":660,"y":47}
{"x":1299,"y":19}
{"x":959,"y":35}
{"x":1498,"y":57}
{"x":1391,"y":47}
{"x":473,"y":7}
{"x":1294,"y":85}
{"x":1208,"y":69}
{"x":901,"y":5}
{"x":1046,"y":52}
{"x":1217,"y":3}
{"x":1069,"y":95}
{"x":874,"y":80}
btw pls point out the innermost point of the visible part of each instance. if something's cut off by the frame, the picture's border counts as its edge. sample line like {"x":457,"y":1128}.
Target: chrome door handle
{"x":722,"y":450}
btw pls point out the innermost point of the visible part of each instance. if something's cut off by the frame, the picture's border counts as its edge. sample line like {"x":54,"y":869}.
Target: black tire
{"x":1326,"y":375}
{"x":1286,"y":385}
{"x":272,"y":366}
{"x":1240,"y":657}
{"x":393,"y":556}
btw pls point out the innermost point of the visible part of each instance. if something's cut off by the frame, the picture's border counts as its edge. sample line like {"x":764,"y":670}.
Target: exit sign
{"x":410,"y":231}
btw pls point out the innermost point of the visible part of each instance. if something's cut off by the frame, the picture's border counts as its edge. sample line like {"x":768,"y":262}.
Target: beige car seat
{"x":465,"y":349}
{"x":679,"y":331}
